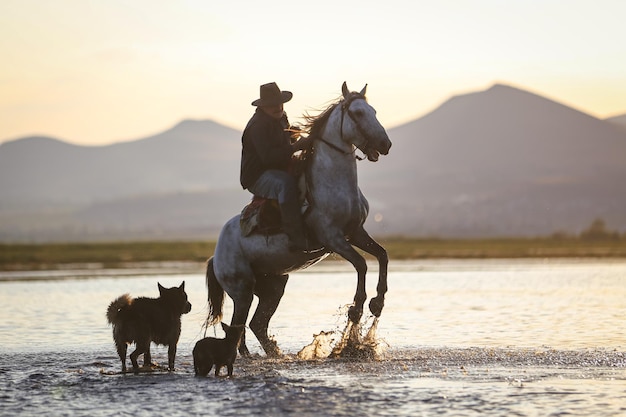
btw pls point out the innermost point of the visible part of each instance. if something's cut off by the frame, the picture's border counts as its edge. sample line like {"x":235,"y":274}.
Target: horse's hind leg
{"x":270,"y":290}
{"x":364,"y":241}
{"x":242,"y":301}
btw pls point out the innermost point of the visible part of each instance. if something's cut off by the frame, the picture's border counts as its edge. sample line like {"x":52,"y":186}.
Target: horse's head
{"x":360,"y":127}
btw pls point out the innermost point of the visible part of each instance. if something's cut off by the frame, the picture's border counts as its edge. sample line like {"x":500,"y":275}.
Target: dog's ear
{"x":225,"y":326}
{"x":182,"y":286}
{"x":161,"y":287}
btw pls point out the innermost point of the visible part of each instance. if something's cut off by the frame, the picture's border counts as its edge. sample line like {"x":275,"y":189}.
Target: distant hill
{"x":192,"y":156}
{"x":499,"y":162}
{"x":619,"y":121}
{"x":502,"y":162}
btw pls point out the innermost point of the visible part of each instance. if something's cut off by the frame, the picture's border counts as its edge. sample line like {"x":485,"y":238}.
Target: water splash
{"x":355,"y":346}
{"x":351,"y":345}
{"x":320,"y":347}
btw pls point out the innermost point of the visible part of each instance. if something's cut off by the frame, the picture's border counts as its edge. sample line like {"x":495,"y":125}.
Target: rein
{"x":338,"y":149}
{"x":345,"y":108}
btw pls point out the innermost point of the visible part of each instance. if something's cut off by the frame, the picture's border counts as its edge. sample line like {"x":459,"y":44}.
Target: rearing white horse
{"x":259,"y":265}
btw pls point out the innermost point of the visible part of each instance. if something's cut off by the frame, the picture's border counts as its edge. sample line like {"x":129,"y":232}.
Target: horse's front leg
{"x":364,"y":241}
{"x":341,"y":247}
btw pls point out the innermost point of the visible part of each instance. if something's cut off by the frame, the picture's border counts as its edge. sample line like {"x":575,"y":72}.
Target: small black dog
{"x":219,"y":352}
{"x":144,"y":320}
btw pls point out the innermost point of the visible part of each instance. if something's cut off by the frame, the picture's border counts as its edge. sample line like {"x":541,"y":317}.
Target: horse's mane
{"x":313,"y":124}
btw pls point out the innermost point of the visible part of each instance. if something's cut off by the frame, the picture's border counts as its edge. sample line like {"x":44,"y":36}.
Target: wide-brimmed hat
{"x":272,"y":96}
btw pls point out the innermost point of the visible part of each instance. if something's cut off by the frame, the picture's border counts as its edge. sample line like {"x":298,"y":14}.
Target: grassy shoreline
{"x":120,"y":254}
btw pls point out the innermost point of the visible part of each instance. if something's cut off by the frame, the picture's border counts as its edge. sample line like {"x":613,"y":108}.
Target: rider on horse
{"x":267,"y":149}
{"x":258,"y":264}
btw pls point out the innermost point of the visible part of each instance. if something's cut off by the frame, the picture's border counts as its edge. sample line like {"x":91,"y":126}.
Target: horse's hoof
{"x":271,"y":349}
{"x":354,"y":314}
{"x":274,"y":355}
{"x":243,"y":350}
{"x":376,"y":306}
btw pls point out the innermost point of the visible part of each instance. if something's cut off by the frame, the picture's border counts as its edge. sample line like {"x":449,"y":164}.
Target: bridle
{"x":345,"y":109}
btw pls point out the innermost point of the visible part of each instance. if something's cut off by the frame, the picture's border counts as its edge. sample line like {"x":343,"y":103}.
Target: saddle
{"x":261,"y":215}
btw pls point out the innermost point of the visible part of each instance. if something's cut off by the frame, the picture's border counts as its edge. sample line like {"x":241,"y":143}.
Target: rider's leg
{"x":281,"y":186}
{"x":293,"y":225}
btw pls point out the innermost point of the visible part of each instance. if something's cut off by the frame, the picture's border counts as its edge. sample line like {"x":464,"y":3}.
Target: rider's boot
{"x":294,"y":226}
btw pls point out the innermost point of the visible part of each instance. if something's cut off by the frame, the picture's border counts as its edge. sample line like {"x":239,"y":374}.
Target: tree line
{"x":596,"y":231}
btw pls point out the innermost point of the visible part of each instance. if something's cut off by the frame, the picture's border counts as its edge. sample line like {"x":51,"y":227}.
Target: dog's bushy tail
{"x":115,"y":307}
{"x":216,"y":295}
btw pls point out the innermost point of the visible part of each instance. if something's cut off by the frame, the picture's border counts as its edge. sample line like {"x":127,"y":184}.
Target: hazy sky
{"x":101,"y":71}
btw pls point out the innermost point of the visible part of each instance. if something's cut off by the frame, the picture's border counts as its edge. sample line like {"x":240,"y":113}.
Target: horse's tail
{"x":216,"y":295}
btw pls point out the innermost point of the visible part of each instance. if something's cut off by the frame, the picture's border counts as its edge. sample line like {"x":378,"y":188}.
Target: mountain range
{"x":498,"y":162}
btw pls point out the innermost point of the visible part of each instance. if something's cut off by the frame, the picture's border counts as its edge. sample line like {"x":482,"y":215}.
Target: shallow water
{"x":461,"y":337}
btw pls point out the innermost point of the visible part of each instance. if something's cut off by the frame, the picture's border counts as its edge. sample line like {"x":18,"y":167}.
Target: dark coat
{"x":265,"y":145}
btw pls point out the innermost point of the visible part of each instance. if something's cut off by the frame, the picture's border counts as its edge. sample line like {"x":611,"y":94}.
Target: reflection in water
{"x":562,"y":304}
